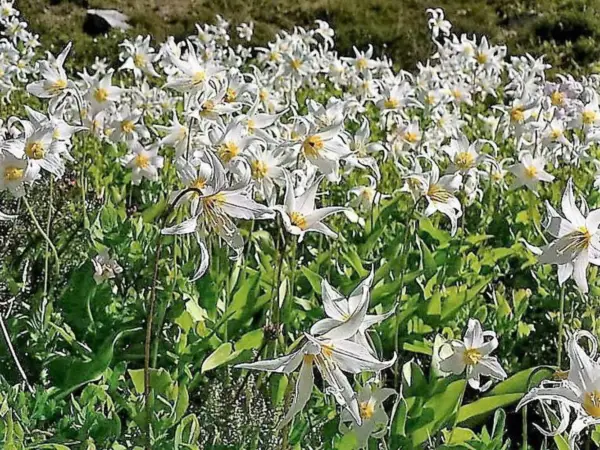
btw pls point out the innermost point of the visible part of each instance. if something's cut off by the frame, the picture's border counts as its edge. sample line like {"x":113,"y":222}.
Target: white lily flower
{"x":145,"y":162}
{"x":472,"y":357}
{"x":105,"y":267}
{"x":529,"y":171}
{"x":374,"y":418}
{"x":299,"y":214}
{"x":340,"y":309}
{"x":579,"y":393}
{"x":576,"y":244}
{"x":332,"y":356}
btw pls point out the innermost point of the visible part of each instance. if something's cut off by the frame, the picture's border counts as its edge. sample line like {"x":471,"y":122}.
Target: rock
{"x":100,"y":21}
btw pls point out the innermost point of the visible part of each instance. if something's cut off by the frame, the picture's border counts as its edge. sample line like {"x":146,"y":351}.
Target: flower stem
{"x":43,"y":233}
{"x":561,"y":324}
{"x":47,"y":252}
{"x":404,"y":264}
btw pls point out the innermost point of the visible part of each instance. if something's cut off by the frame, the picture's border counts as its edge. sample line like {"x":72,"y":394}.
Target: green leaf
{"x":313,"y":278}
{"x":68,"y":373}
{"x":441,"y":407}
{"x":250,"y":340}
{"x":218,"y":357}
{"x":348,"y":442}
{"x":522,"y":381}
{"x":486,"y":405}
{"x":160,"y":380}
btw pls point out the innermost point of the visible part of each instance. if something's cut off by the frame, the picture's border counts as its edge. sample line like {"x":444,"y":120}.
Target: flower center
{"x":139,"y":60}
{"x":230,"y":95}
{"x":556,"y":133}
{"x":327,"y":350}
{"x":259,"y":169}
{"x":228,"y":151}
{"x":411,"y":137}
{"x":481,"y":58}
{"x":213,"y":201}
{"x":591,"y":403}
{"x":13,"y":173}
{"x":472,"y":356}
{"x":557,"y":98}
{"x":464,"y":160}
{"x":58,"y":85}
{"x":199,"y":183}
{"x":35,"y":150}
{"x":127,"y":126}
{"x":517,"y":114}
{"x":296,"y":64}
{"x":299,"y":220}
{"x":361,"y":63}
{"x":588,"y":117}
{"x":198,"y":77}
{"x":100,"y":95}
{"x":142,"y":161}
{"x":391,"y":103}
{"x":312,"y":146}
{"x":531,"y":172}
{"x":438,"y":194}
{"x":367,"y":409}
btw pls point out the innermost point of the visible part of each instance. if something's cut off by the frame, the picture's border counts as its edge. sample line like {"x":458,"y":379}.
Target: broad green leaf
{"x":442,"y":407}
{"x":218,"y":357}
{"x":486,"y":405}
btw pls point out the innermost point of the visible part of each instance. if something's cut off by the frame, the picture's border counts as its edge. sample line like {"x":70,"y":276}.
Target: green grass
{"x":566,"y":30}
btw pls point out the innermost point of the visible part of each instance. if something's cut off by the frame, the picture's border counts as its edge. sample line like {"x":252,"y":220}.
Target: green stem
{"x":561,"y":324}
{"x":43,"y":233}
{"x":47,"y":251}
{"x":524,"y":414}
{"x":404,"y":264}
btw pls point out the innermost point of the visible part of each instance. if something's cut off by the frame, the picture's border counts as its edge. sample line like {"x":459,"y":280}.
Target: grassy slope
{"x":567,"y":30}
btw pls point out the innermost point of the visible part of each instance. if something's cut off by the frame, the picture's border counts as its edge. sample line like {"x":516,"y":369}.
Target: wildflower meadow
{"x":211,"y":245}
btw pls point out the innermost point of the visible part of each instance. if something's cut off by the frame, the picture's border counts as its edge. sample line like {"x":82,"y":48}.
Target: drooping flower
{"x":579,"y":393}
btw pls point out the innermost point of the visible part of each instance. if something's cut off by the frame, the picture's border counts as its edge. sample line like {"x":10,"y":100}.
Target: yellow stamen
{"x":13,"y":173}
{"x":58,"y":85}
{"x":127,"y":126}
{"x":198,"y":77}
{"x":588,"y":117}
{"x":557,"y":98}
{"x":228,"y":151}
{"x":299,"y":220}
{"x":411,"y":137}
{"x":531,"y":172}
{"x":139,"y":60}
{"x":367,"y":409}
{"x":100,"y":95}
{"x":312,"y":146}
{"x":438,"y":194}
{"x":259,"y":169}
{"x":142,"y":161}
{"x":391,"y":103}
{"x":472,"y":356}
{"x":35,"y":150}
{"x":517,"y":114}
{"x":464,"y":160}
{"x":591,"y":403}
{"x":327,"y":350}
{"x":199,"y":183}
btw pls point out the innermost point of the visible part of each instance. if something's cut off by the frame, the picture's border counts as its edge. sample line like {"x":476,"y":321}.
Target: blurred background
{"x":567,"y":31}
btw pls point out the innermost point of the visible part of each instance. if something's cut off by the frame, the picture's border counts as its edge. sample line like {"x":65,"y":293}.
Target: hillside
{"x":567,"y":31}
